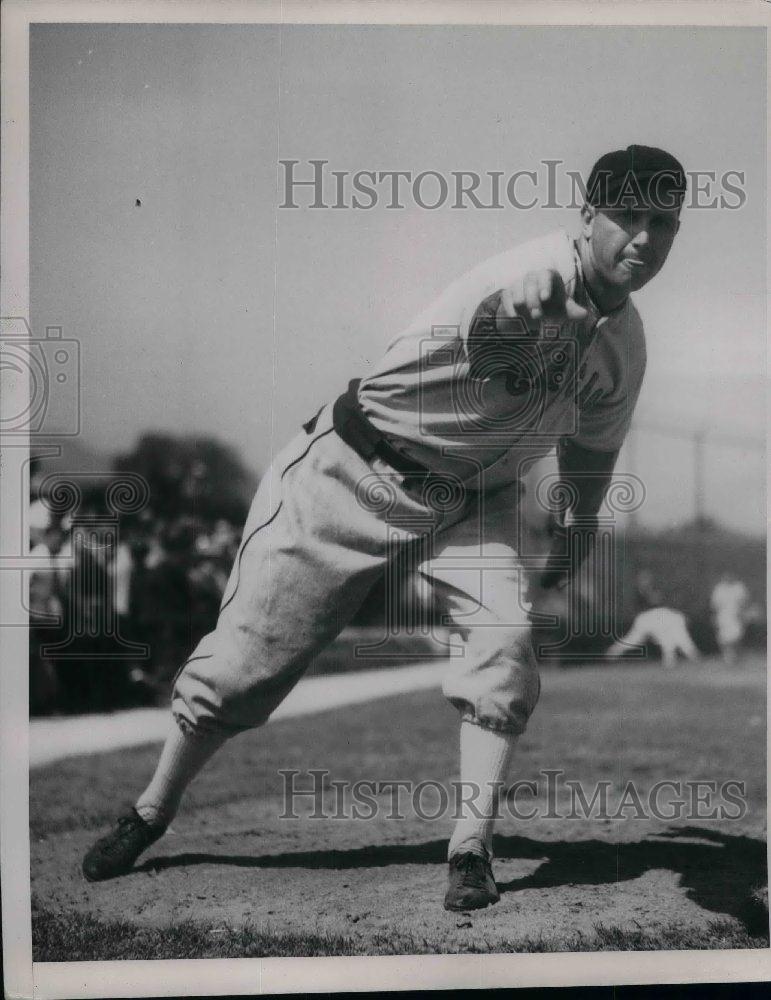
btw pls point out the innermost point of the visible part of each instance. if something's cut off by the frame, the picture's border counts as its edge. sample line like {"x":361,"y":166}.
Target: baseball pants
{"x":324,"y":526}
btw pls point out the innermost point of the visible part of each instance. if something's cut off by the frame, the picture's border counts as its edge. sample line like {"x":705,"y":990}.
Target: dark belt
{"x":353,"y":426}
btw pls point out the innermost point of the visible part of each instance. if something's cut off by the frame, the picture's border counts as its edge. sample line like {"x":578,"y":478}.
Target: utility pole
{"x":699,"y":504}
{"x":632,"y":465}
{"x":699,"y":500}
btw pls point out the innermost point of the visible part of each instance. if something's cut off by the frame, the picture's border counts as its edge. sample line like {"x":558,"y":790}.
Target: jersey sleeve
{"x":481,"y":289}
{"x":469,"y":304}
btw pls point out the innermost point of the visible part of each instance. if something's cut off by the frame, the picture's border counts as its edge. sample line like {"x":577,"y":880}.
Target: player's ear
{"x":588,"y":212}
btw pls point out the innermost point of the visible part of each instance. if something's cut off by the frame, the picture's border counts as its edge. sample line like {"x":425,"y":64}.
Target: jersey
{"x":664,"y":626}
{"x":729,"y":601}
{"x":460,"y":396}
{"x":729,"y":597}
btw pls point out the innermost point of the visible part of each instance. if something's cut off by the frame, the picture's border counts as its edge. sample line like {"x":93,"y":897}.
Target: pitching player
{"x":538,"y":347}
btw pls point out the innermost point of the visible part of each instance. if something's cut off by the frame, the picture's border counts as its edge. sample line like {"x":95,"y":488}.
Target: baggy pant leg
{"x":480,"y":585}
{"x":320,"y":532}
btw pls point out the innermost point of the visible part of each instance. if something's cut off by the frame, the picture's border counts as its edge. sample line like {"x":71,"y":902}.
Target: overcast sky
{"x":208,"y":310}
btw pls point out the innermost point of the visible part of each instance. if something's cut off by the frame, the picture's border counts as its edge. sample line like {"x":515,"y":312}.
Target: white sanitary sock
{"x":485,"y":756}
{"x":182,"y":757}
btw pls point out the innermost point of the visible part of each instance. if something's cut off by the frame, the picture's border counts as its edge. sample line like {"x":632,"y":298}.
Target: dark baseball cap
{"x":637,"y":177}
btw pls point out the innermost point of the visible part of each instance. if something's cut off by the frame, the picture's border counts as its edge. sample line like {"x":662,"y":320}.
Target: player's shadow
{"x":720,"y":872}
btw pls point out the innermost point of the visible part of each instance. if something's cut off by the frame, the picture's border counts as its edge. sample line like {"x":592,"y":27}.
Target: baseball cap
{"x":636,"y":177}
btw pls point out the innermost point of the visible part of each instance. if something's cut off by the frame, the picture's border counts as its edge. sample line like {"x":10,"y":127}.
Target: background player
{"x":666,"y":628}
{"x":729,"y":601}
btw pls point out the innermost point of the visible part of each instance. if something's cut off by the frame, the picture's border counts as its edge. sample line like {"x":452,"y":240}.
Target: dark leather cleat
{"x":472,"y":885}
{"x":116,"y":853}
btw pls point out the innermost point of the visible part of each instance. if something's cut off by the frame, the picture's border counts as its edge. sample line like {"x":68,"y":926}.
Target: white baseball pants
{"x":323,"y":527}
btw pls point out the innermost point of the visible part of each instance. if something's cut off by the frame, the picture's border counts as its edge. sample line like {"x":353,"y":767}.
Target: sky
{"x":206,"y":309}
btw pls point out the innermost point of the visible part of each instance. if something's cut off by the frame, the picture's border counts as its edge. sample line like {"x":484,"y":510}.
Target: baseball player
{"x":730,"y":603}
{"x":666,"y":628}
{"x":538,"y":347}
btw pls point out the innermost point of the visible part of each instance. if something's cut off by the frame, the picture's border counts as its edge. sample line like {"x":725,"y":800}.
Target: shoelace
{"x":126,"y":824}
{"x":471,"y":862}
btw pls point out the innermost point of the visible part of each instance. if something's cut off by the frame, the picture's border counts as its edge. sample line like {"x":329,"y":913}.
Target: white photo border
{"x":202,"y":977}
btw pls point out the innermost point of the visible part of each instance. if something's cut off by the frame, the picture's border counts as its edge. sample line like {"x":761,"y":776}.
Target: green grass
{"x":618,"y":723}
{"x":236,"y":881}
{"x":80,"y":938}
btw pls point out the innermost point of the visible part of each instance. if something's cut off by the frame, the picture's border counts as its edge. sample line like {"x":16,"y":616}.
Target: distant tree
{"x":194,"y":476}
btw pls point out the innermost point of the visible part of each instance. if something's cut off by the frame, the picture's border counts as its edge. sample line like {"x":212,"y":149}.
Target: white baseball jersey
{"x":581,"y":380}
{"x":729,"y":599}
{"x":664,"y":626}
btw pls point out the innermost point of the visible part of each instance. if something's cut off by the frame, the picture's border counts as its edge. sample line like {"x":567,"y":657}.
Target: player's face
{"x":628,"y":246}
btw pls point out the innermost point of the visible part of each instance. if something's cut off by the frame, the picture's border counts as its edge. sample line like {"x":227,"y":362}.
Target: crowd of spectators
{"x":115,"y":608}
{"x":117,"y":605}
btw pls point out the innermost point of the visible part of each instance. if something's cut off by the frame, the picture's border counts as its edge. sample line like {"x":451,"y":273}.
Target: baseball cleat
{"x":472,"y":885}
{"x":116,"y":853}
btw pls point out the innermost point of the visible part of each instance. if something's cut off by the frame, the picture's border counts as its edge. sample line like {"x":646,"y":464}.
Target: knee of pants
{"x":227,"y":687}
{"x":222,"y":704}
{"x":495,"y":683}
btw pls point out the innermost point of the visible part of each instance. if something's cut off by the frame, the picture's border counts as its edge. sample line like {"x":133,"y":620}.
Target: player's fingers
{"x":547,"y":286}
{"x":541,"y":294}
{"x":511,"y":299}
{"x":532,"y":288}
{"x":574,"y":311}
{"x":553,"y":295}
{"x":512,"y":308}
{"x":559,"y":305}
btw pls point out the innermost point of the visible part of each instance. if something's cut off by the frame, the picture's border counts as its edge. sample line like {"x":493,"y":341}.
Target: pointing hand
{"x":541,"y":295}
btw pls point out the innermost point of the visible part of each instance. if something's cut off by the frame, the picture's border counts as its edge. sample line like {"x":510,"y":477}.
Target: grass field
{"x":232,"y":879}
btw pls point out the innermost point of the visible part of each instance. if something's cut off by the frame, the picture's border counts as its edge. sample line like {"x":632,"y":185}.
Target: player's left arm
{"x":588,"y":457}
{"x":586,"y":475}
